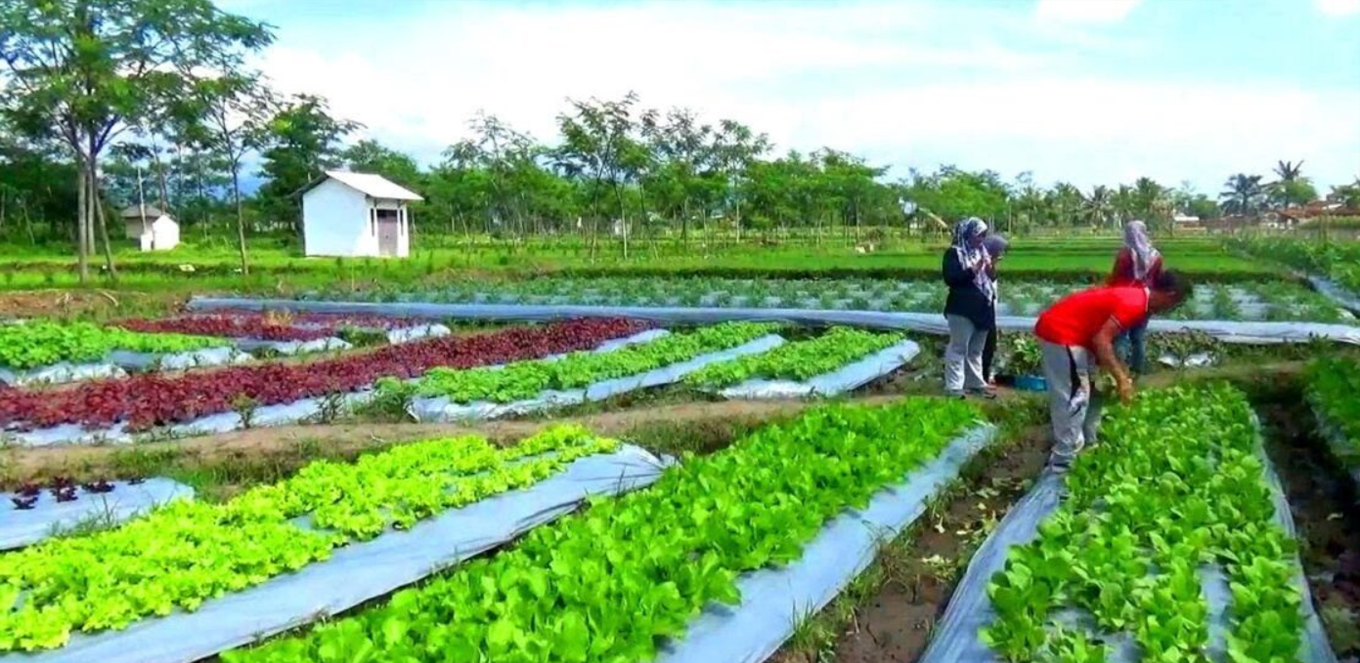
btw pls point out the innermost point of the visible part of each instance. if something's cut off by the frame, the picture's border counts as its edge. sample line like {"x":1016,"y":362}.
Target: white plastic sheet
{"x":359,"y":572}
{"x":930,"y":323}
{"x":177,"y":361}
{"x":955,"y":638}
{"x":415,"y":333}
{"x":59,"y":373}
{"x":1335,"y":292}
{"x":774,"y":600}
{"x":19,"y":528}
{"x":442,"y":409}
{"x":846,"y":378}
{"x":289,"y":348}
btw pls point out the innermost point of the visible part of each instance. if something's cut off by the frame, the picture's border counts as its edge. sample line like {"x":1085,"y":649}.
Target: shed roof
{"x":135,"y":212}
{"x":375,"y":186}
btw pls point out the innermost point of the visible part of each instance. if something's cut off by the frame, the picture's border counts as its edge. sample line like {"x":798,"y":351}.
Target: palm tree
{"x":1288,"y":171}
{"x":1242,"y":194}
{"x":1097,"y":206}
{"x":1284,"y":191}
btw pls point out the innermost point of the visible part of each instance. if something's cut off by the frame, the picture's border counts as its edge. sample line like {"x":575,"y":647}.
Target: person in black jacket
{"x":970,"y":308}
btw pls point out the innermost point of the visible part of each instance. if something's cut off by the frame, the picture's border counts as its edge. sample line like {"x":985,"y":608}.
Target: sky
{"x":1083,"y":91}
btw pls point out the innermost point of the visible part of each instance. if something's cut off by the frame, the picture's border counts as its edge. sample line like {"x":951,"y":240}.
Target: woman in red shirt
{"x":1138,"y":264}
{"x":1076,"y":335}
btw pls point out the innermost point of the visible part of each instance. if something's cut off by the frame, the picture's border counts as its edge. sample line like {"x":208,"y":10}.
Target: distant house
{"x":153,"y":229}
{"x":356,"y":214}
{"x":1181,"y":218}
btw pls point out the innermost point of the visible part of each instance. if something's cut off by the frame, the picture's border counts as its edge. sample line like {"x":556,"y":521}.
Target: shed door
{"x":389,"y":224}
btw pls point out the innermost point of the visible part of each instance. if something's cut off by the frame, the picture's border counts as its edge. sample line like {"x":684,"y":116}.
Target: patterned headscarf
{"x":974,"y":257}
{"x":1137,"y":241}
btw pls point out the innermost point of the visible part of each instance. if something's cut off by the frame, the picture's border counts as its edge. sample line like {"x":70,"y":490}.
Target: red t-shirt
{"x":1077,"y":318}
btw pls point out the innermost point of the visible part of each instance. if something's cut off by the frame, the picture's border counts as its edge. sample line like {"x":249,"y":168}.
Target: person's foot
{"x":954,"y":394}
{"x":1059,"y":464}
{"x":986,"y":392}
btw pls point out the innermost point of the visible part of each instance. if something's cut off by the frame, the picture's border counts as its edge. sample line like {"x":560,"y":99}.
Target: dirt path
{"x":1326,"y":513}
{"x":289,"y":446}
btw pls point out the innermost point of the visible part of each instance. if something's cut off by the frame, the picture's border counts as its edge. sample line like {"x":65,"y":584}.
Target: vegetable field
{"x":702,"y":467}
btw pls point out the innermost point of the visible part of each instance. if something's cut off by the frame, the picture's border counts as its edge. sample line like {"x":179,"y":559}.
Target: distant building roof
{"x":375,"y":186}
{"x":135,"y":212}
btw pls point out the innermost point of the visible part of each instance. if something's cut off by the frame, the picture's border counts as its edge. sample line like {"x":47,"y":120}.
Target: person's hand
{"x":1125,"y":387}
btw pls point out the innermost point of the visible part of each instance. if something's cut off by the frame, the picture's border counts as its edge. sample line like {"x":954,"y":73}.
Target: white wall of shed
{"x":336,"y":221}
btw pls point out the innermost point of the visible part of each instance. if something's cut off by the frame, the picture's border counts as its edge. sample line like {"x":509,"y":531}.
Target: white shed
{"x":153,"y":229}
{"x":356,"y":214}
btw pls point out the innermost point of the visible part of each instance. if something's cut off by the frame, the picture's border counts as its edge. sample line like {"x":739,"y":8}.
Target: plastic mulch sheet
{"x":846,"y":378}
{"x":23,"y":527}
{"x":1335,"y":292}
{"x":1343,"y":450}
{"x":59,"y":373}
{"x":294,"y":347}
{"x":955,"y":638}
{"x":775,"y":600}
{"x":148,"y":361}
{"x":281,"y":414}
{"x":407,"y":334}
{"x":930,"y":323}
{"x":360,"y":572}
{"x":441,"y":409}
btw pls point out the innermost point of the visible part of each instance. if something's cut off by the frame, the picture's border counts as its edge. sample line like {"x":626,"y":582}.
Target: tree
{"x":1242,"y":194}
{"x":229,"y":115}
{"x":1097,"y":206}
{"x":302,"y":140}
{"x":83,"y":71}
{"x":370,"y":156}
{"x":595,"y":136}
{"x":1292,"y":187}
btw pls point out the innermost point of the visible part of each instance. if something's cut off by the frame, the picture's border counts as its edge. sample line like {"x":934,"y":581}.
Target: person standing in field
{"x":970,"y":308}
{"x":1138,"y":264}
{"x":996,"y":246}
{"x":1076,"y":335}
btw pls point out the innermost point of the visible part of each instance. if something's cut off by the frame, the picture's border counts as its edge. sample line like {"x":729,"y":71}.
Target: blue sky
{"x":1086,"y":91}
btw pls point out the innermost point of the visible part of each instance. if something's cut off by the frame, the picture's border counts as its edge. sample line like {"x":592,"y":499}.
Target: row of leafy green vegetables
{"x":188,"y":552}
{"x":43,"y":343}
{"x":1334,"y":390}
{"x":797,"y":360}
{"x":752,"y":505}
{"x":1176,"y":483}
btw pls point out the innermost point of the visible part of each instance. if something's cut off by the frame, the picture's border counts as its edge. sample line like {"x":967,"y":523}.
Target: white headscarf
{"x":972,"y":257}
{"x":1140,"y":246}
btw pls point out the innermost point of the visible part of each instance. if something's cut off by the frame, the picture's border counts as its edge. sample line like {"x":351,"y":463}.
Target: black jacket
{"x":965,"y":299}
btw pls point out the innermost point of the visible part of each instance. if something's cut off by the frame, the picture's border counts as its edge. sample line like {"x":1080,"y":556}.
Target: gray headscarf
{"x":1138,"y":243}
{"x":972,"y":257}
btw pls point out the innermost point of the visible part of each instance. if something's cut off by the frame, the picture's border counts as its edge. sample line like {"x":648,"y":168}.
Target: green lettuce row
{"x":526,"y":379}
{"x":188,"y":552}
{"x":1333,"y":385}
{"x":1175,"y":484}
{"x":796,"y":361}
{"x":610,"y":583}
{"x":35,"y":344}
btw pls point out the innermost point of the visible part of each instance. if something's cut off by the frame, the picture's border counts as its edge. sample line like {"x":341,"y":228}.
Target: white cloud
{"x":901,"y":83}
{"x":1085,"y":11}
{"x":1338,"y":7}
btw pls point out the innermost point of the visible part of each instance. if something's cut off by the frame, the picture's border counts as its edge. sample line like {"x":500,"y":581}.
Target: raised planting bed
{"x":1168,"y":541}
{"x":1334,"y":393}
{"x":49,"y":352}
{"x":835,"y":362}
{"x":152,"y":572}
{"x":146,"y":401}
{"x":36,"y":511}
{"x":286,"y":331}
{"x":445,"y":394}
{"x":624,"y":580}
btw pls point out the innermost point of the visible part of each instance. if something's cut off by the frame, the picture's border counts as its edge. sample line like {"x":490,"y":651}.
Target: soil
{"x":74,"y":303}
{"x":894,"y":625}
{"x":703,"y":427}
{"x":1323,"y":501}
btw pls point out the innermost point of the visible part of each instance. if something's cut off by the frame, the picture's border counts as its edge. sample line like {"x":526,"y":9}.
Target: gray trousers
{"x":1072,"y":402}
{"x":963,"y":355}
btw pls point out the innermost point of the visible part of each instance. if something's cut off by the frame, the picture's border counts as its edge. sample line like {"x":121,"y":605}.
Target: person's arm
{"x":1155,"y":269}
{"x":1109,"y":359}
{"x":955,"y":274}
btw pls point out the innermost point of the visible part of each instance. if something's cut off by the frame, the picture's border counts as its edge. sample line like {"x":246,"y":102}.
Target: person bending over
{"x":1076,"y":335}
{"x":1137,"y":264}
